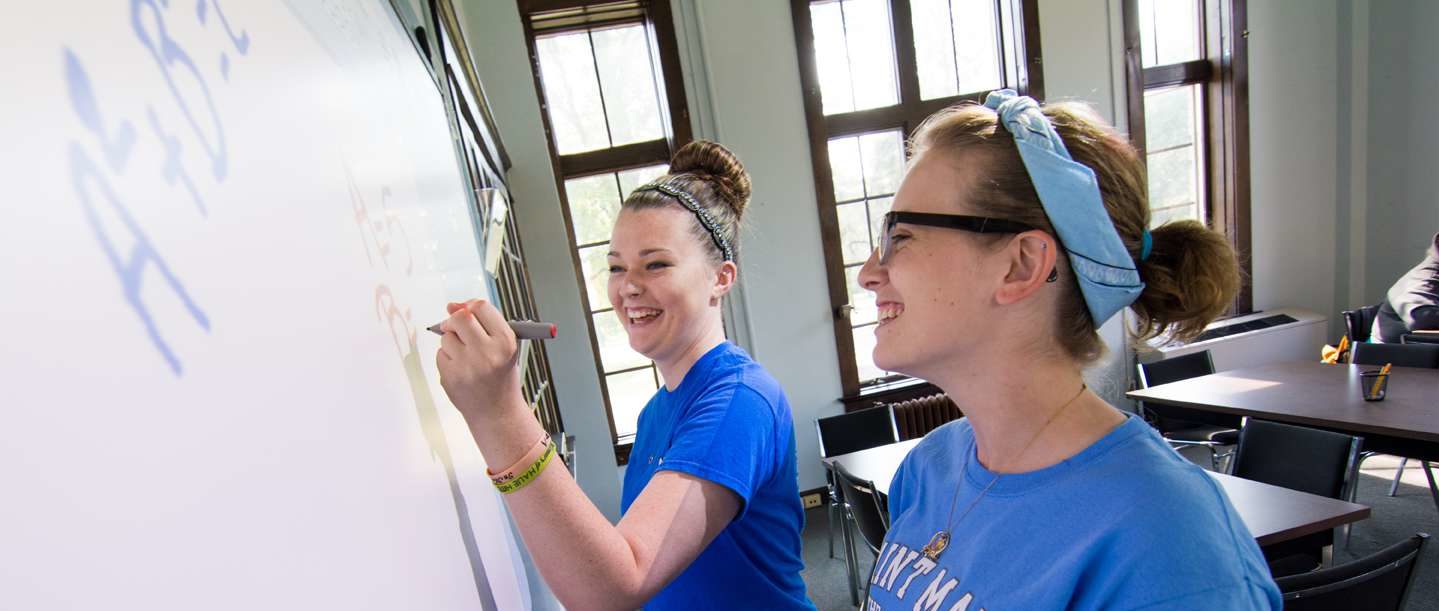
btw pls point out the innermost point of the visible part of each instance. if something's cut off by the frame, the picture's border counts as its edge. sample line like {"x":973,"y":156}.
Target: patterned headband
{"x":667,"y":187}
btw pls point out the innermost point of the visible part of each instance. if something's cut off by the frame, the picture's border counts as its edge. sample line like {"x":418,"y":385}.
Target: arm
{"x":588,"y":562}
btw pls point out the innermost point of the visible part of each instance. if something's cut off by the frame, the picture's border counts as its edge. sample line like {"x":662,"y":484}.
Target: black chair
{"x":1358,"y":323}
{"x":1298,"y":458}
{"x":1379,"y":582}
{"x":1188,"y":427}
{"x":868,"y":515}
{"x":1401,"y":355}
{"x":857,"y":430}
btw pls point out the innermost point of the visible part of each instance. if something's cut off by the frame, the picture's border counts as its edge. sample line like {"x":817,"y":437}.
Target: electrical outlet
{"x":811,"y":500}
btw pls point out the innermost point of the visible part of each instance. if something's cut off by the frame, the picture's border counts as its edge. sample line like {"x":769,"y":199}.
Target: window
{"x":609,"y":83}
{"x":1188,"y":100}
{"x":872,"y":70}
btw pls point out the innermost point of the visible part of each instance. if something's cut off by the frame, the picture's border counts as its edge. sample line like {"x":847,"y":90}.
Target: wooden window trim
{"x":1224,"y":72}
{"x":675,"y":119}
{"x":906,"y":116}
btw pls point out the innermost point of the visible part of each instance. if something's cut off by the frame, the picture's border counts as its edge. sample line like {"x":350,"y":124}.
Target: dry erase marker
{"x":523,"y":329}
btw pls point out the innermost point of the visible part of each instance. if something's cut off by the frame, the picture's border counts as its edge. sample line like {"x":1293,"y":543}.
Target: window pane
{"x":831,"y":58}
{"x":883,"y":159}
{"x":572,"y":92}
{"x":854,"y":232}
{"x":595,"y":266}
{"x":629,"y":392}
{"x":594,"y":202}
{"x":615,"y":350}
{"x":956,"y":46}
{"x":845,"y":169}
{"x":1168,"y":31}
{"x":631,"y":179}
{"x":976,"y":45}
{"x":934,"y":48}
{"x":871,"y":53}
{"x":1172,"y":181}
{"x":853,"y":44}
{"x":877,"y":209}
{"x":862,"y":300}
{"x":1169,"y":117}
{"x":864,"y":353}
{"x":628,"y":81}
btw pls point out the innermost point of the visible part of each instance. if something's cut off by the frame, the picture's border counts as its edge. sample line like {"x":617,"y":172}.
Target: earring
{"x":1053,"y":275}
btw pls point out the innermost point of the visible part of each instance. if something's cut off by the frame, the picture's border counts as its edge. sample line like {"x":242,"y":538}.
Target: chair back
{"x":1168,"y":417}
{"x":871,"y":518}
{"x":917,"y":417}
{"x":1379,"y":582}
{"x":1358,"y":323}
{"x":1295,"y":457}
{"x":857,"y":430}
{"x":1402,"y":355}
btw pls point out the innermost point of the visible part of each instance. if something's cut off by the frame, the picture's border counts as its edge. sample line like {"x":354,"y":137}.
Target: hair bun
{"x":715,"y":164}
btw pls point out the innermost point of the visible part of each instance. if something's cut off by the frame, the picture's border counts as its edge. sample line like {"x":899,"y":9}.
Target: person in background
{"x":1413,"y":302}
{"x":712,"y":514}
{"x":1016,"y":232}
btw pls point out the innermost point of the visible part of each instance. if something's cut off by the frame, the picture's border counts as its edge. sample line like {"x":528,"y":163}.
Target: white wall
{"x":1293,"y":132}
{"x":1403,"y":140}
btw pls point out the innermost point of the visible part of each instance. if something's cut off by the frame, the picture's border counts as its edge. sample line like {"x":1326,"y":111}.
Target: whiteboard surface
{"x":226,"y":226}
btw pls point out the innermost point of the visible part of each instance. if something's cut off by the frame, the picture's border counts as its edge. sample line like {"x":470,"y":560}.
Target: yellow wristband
{"x":528,"y":475}
{"x":531,"y":455}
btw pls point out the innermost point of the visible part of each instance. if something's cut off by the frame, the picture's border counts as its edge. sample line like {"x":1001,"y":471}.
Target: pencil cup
{"x":1373,"y":384}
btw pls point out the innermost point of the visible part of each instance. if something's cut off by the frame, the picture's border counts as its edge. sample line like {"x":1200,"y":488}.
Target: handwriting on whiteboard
{"x":187,"y":100}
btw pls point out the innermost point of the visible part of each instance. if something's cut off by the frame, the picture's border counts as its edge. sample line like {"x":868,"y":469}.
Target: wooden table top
{"x":1271,"y":513}
{"x":1314,"y":394}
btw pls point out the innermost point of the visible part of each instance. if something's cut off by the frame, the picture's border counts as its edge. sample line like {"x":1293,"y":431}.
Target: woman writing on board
{"x":1016,"y":232}
{"x":712,"y":517}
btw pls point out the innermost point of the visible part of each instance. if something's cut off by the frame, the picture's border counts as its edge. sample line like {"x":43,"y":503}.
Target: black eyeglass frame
{"x":962,"y":222}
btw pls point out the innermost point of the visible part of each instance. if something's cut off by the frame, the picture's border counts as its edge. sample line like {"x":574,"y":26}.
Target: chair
{"x":857,"y":430}
{"x":1299,"y":458}
{"x":1379,"y":582}
{"x":1188,"y":427}
{"x":1358,"y":323}
{"x":869,"y":517}
{"x":1401,"y":355}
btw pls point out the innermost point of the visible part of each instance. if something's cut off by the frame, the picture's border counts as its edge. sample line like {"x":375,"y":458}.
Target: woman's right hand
{"x":478,"y":361}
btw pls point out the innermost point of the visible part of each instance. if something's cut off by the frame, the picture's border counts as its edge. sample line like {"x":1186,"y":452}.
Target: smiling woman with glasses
{"x":1044,"y":496}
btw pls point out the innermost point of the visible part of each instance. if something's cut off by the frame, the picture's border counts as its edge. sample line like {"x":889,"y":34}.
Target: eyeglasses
{"x":962,"y":222}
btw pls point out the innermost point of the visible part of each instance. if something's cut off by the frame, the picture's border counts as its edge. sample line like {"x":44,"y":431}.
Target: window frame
{"x":675,"y":120}
{"x":1224,"y":74}
{"x":1021,"y":68}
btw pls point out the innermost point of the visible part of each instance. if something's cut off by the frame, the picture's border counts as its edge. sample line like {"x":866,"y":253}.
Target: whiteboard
{"x":225,"y":227}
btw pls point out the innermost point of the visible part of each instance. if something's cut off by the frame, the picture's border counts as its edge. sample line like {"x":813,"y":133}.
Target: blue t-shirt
{"x":1125,"y":524}
{"x":728,"y":422}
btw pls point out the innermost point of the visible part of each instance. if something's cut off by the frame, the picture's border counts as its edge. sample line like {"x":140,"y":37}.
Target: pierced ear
{"x":1033,"y":263}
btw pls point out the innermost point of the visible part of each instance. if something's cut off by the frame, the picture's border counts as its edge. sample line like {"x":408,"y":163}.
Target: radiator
{"x":917,"y":417}
{"x":1262,"y":338}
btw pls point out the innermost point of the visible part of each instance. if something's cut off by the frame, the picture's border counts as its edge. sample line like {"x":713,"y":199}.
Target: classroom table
{"x":1273,"y":515}
{"x":1310,"y":393}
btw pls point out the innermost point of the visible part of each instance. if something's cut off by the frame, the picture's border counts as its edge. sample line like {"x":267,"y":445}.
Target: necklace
{"x":940,"y":541}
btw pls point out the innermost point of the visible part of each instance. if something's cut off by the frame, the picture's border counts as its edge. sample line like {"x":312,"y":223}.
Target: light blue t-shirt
{"x":1125,"y":524}
{"x":728,"y":422}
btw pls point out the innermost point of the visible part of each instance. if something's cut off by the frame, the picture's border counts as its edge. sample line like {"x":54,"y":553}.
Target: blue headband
{"x":1069,"y":192}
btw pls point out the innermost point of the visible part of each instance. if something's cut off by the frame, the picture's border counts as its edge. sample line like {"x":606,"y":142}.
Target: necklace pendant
{"x":936,"y":546}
